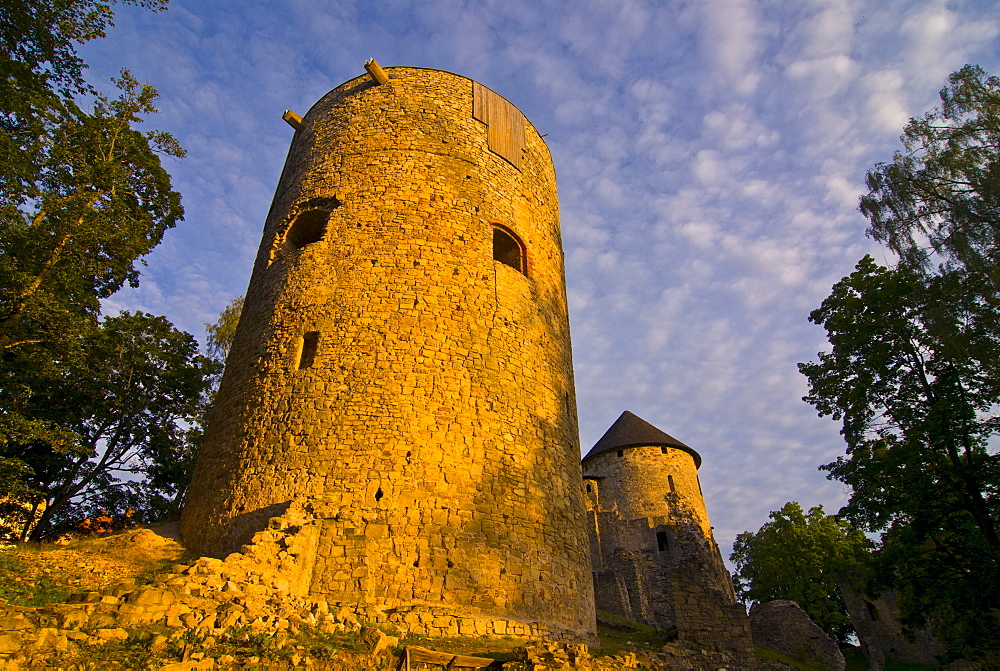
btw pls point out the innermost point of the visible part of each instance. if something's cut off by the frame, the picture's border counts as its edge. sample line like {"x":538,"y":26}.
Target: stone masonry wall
{"x":882,"y":637}
{"x":653,"y":552}
{"x":391,"y":369}
{"x":635,"y":483}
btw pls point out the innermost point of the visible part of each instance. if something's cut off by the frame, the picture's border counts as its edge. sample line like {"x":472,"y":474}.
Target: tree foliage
{"x":130,"y":398}
{"x":913,"y":371}
{"x":222,"y":333}
{"x":101,"y":201}
{"x":912,"y":377}
{"x":939,"y":198}
{"x":83,"y":197}
{"x":40,"y":71}
{"x":800,"y":557}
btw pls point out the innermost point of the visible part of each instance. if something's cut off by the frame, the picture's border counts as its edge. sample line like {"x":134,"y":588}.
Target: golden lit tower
{"x":403,"y":364}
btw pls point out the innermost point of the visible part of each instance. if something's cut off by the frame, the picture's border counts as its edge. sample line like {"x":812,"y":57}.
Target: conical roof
{"x":630,"y":430}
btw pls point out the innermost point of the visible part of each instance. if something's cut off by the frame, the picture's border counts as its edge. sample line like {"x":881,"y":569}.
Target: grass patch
{"x":19,"y":589}
{"x":617,"y":634}
{"x":893,"y":665}
{"x":855,"y":659}
{"x":801,"y":662}
{"x":239,"y":647}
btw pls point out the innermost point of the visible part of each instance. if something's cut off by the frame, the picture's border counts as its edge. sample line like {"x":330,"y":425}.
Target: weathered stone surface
{"x":654,"y":556}
{"x":118,"y":634}
{"x":403,"y":361}
{"x":783,"y":626}
{"x":10,"y":642}
{"x":375,"y":641}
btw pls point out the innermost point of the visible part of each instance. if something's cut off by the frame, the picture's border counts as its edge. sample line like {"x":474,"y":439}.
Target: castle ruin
{"x":398,"y":408}
{"x":403,"y":357}
{"x":652,"y":550}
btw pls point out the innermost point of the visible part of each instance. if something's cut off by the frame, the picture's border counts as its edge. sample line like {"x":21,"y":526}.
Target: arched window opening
{"x":307,"y":228}
{"x":509,"y":250}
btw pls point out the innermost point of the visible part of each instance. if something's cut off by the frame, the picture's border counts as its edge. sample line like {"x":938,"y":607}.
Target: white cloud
{"x":885,"y":107}
{"x":730,"y":35}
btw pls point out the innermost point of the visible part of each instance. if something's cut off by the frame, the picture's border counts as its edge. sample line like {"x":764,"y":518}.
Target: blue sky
{"x":710,"y":155}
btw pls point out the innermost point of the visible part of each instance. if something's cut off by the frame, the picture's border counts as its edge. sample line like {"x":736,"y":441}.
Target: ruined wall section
{"x":393,"y":369}
{"x":654,"y":556}
{"x":881,"y":635}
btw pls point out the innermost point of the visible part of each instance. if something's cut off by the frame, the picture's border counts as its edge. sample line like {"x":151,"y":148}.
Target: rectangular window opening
{"x":307,"y":353}
{"x":670,"y":481}
{"x":661,"y":541}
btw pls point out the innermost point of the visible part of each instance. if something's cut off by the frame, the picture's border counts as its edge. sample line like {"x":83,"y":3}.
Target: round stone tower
{"x":652,"y":550}
{"x":641,"y":471}
{"x":402,"y":364}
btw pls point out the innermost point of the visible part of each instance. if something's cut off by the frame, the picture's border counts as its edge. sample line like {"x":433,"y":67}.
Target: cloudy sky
{"x":710,"y":155}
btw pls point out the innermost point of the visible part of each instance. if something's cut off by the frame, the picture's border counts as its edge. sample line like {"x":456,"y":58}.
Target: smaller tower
{"x":654,"y":558}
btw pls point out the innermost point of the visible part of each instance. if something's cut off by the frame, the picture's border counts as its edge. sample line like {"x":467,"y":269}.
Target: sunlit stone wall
{"x":386,"y":365}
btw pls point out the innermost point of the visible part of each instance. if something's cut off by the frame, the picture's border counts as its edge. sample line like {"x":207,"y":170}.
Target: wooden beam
{"x":292,"y":119}
{"x":376,"y":71}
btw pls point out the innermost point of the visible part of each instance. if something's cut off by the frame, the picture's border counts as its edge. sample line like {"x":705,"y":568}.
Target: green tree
{"x":83,"y":197}
{"x":912,"y":377}
{"x":800,"y":557}
{"x":101,"y":202}
{"x":40,"y":71}
{"x":130,"y":397}
{"x":939,"y":198}
{"x":222,"y":333}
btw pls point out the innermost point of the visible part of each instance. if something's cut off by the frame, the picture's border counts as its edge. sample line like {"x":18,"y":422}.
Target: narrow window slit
{"x":307,"y":353}
{"x":670,"y":481}
{"x":661,"y":541}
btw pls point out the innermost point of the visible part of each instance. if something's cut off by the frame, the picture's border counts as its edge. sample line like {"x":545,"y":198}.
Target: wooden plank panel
{"x":481,"y":102}
{"x":504,"y":123}
{"x":416,"y":654}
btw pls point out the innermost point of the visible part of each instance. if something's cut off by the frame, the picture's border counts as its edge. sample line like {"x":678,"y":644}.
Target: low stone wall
{"x":783,"y":626}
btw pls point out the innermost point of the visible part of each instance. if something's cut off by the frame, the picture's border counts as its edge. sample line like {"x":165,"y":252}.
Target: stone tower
{"x":401,"y":374}
{"x":654,"y":557}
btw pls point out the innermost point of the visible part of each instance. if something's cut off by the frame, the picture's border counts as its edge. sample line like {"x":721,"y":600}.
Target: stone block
{"x":783,"y":626}
{"x":116,"y":634}
{"x":10,"y":642}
